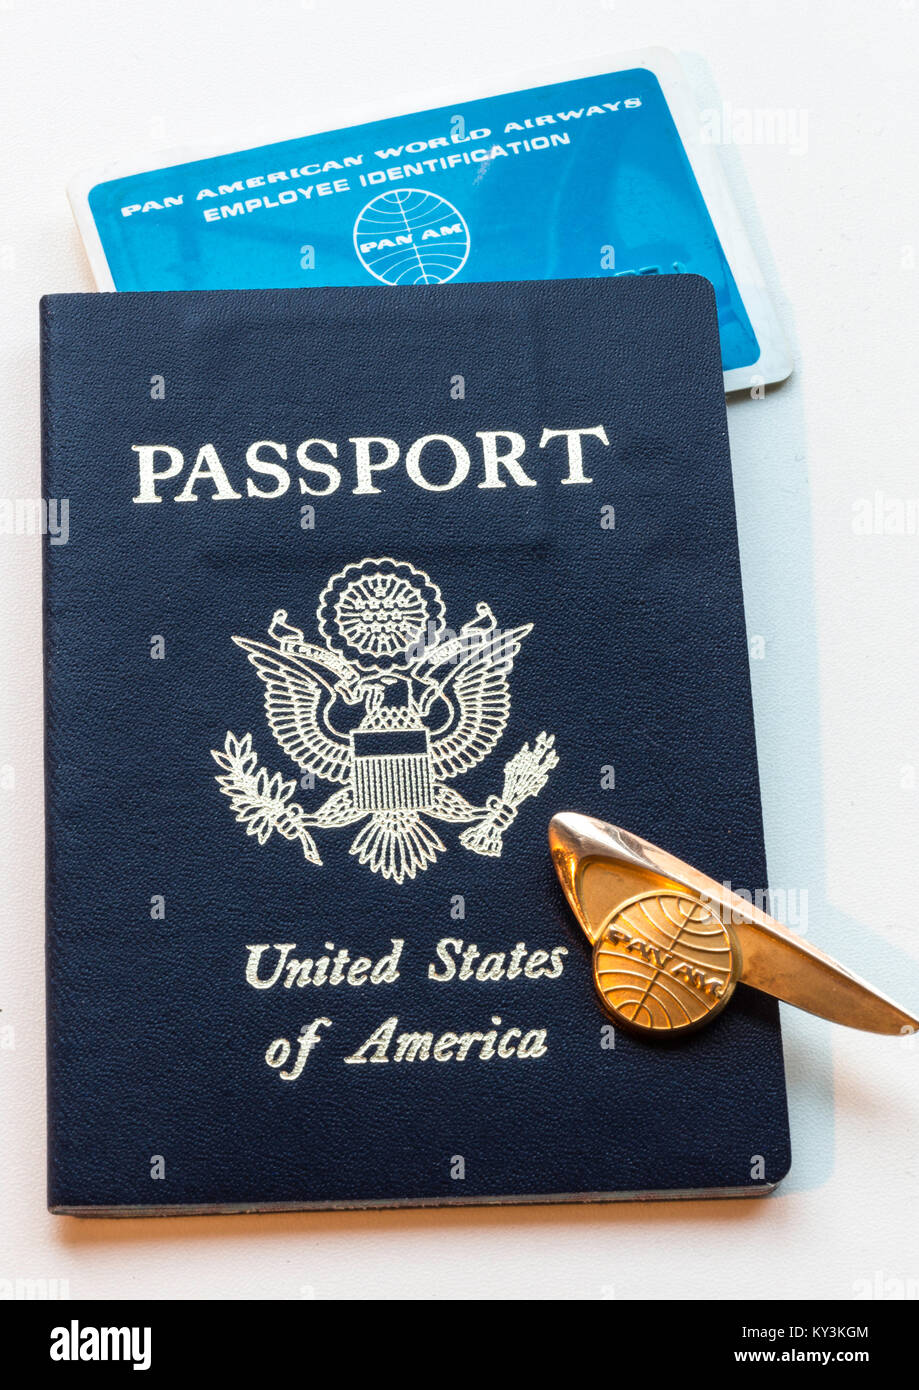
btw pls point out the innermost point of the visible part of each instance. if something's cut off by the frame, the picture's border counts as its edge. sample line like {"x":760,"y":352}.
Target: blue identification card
{"x":601,"y":175}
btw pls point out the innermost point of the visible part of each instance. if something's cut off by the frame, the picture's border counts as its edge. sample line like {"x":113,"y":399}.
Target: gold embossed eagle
{"x":391,"y":708}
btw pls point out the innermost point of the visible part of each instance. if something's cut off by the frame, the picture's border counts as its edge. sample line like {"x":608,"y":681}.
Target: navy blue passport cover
{"x":231,"y":1025}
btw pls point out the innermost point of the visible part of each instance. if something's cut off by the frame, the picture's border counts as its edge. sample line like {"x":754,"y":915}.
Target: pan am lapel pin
{"x":670,"y":943}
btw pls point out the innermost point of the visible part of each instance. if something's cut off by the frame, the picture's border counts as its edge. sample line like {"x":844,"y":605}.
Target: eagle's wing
{"x":477,"y":691}
{"x":297,"y":697}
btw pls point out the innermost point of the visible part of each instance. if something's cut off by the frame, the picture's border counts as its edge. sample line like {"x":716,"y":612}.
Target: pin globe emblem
{"x":665,"y":963}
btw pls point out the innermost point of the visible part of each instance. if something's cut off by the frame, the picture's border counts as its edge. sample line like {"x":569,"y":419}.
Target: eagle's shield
{"x":391,"y":770}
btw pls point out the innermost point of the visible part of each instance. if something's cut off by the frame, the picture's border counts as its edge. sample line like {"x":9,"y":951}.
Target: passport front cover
{"x":348,"y":591}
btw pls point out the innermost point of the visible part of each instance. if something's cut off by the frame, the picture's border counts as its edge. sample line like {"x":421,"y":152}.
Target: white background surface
{"x":835,"y":226}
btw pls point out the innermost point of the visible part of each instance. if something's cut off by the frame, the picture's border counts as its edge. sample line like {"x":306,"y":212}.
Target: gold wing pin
{"x":670,"y":943}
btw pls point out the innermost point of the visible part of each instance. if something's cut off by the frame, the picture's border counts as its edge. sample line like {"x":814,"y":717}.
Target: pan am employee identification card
{"x":601,"y":174}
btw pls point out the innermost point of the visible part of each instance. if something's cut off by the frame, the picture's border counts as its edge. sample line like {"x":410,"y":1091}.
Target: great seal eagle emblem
{"x":391,"y":708}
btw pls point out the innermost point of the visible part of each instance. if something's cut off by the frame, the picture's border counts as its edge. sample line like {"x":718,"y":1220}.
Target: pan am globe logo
{"x":411,"y":237}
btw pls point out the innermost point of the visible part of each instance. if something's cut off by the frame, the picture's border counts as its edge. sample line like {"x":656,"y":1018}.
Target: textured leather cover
{"x":160,"y":1095}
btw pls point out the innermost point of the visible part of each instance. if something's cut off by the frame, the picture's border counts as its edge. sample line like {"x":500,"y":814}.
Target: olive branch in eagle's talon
{"x":261,"y":802}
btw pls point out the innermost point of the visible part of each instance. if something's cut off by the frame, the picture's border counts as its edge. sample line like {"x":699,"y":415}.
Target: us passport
{"x":351,"y":590}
